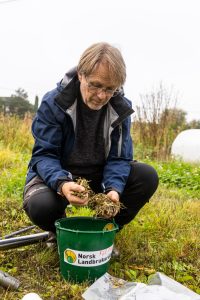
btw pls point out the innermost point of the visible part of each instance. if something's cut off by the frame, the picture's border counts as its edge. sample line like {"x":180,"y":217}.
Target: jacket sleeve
{"x":117,"y":168}
{"x":48,"y":135}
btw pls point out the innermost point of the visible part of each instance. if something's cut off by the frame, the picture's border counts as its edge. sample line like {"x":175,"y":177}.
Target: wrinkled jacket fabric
{"x":54,"y":127}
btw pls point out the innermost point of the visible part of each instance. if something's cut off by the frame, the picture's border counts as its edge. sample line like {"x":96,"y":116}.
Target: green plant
{"x":180,"y":174}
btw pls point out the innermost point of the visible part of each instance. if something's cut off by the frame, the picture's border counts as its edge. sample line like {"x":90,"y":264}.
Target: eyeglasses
{"x":97,"y":89}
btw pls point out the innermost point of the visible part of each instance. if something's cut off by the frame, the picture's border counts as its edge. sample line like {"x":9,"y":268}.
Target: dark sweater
{"x":88,"y":154}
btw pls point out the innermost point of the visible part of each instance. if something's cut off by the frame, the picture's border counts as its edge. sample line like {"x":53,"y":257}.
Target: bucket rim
{"x":58,"y":226}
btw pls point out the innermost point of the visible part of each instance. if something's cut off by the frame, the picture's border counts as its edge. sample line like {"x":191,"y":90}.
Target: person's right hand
{"x":68,"y":190}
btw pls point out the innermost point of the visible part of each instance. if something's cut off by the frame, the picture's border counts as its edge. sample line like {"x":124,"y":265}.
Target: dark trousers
{"x":44,"y":206}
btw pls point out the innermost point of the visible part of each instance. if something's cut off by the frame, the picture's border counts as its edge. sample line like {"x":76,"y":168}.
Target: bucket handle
{"x":113,"y":220}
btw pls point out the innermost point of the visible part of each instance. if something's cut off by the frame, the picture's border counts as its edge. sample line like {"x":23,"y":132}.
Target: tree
{"x":175,"y":117}
{"x":153,"y":129}
{"x":20,"y":93}
{"x":19,"y":106}
{"x":16,"y":104}
{"x":194,"y":124}
{"x":36,"y":103}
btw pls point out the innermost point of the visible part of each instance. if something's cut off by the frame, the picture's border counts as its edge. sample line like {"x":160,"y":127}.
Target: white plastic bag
{"x":111,"y":288}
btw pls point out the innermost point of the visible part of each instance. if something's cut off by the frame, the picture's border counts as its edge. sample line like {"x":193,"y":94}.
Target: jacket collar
{"x":67,"y":88}
{"x":68,"y":95}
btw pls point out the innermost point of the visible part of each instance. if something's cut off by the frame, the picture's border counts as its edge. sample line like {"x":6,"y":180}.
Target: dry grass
{"x":100,"y":203}
{"x":15,"y":133}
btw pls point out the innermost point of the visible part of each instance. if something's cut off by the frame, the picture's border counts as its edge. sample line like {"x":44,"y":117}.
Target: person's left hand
{"x":113,"y":195}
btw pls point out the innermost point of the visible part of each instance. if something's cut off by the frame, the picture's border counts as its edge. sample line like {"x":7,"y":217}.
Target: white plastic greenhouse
{"x":186,"y":145}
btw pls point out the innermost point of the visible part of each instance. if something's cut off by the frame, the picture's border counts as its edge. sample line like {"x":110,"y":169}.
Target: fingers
{"x":77,"y":200}
{"x":114,"y":196}
{"x":70,"y":189}
{"x":109,"y":215}
{"x":76,"y":187}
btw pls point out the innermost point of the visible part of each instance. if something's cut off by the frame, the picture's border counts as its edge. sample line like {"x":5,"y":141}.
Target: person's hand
{"x":113,"y":210}
{"x":68,"y":190}
{"x":113,"y":195}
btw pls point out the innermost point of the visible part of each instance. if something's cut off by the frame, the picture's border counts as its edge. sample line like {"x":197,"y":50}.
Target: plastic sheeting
{"x":160,"y":287}
{"x":186,"y":145}
{"x":31,"y":296}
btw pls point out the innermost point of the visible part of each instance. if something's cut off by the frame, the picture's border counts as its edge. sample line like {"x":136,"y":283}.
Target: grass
{"x":163,"y":237}
{"x":15,"y":133}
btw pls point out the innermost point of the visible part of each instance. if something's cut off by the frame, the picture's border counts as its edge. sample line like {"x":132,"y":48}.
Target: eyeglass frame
{"x":108,"y":92}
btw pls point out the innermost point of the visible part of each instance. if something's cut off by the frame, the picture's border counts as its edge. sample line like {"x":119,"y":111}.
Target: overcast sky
{"x":159,"y":39}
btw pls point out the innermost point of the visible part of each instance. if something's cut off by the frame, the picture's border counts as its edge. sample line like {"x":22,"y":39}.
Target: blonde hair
{"x":106,"y":54}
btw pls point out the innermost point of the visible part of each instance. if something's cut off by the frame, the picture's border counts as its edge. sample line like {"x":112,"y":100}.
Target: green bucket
{"x":85,"y":247}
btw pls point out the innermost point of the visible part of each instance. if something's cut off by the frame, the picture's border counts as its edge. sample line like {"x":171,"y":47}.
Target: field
{"x":163,"y":237}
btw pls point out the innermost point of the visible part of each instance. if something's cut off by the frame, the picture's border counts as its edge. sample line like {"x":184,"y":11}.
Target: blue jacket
{"x":53,"y":129}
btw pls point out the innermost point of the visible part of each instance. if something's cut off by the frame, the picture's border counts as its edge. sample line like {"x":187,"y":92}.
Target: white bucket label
{"x":87,"y":258}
